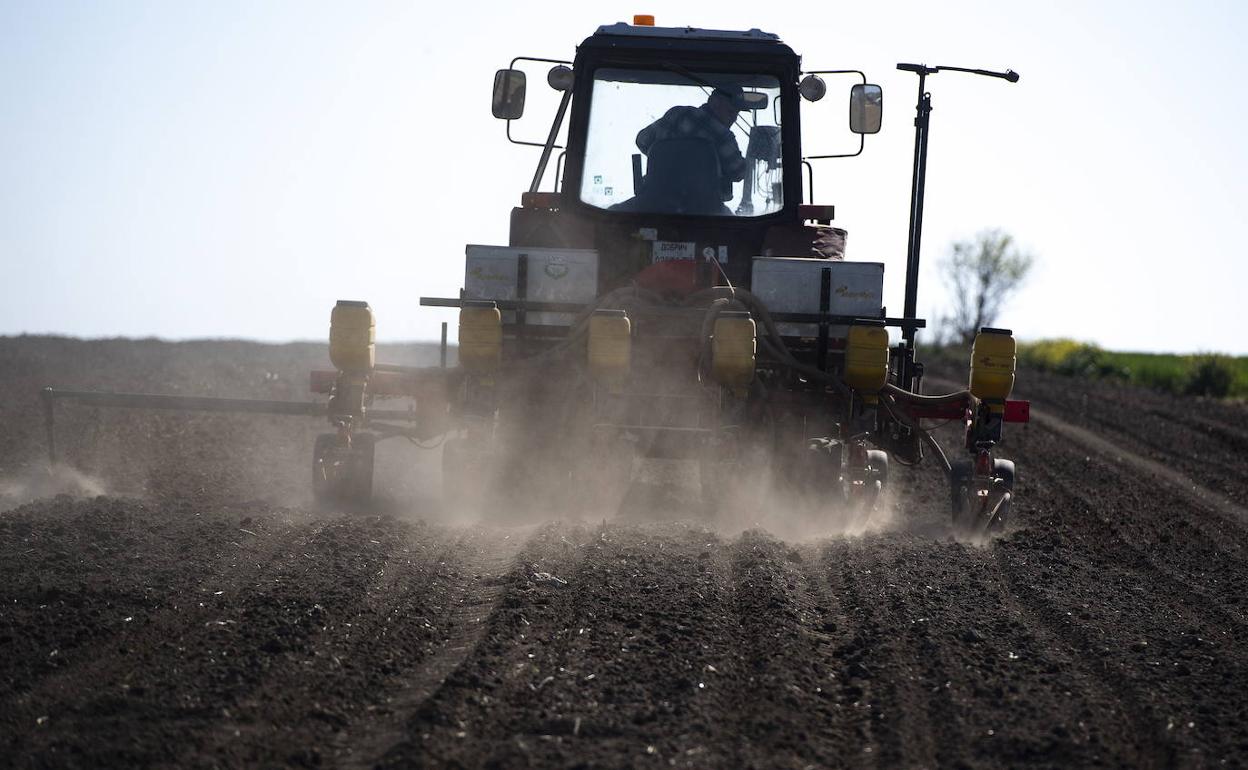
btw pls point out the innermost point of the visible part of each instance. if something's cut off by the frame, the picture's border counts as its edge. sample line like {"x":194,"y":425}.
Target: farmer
{"x":713,"y":122}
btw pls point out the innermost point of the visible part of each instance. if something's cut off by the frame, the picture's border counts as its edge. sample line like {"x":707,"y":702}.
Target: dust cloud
{"x":39,"y":482}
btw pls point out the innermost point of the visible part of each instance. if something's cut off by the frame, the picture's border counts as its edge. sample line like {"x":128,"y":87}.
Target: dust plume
{"x":35,"y":483}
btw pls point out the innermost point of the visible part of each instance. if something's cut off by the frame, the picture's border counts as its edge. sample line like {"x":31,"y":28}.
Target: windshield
{"x":680,"y":142}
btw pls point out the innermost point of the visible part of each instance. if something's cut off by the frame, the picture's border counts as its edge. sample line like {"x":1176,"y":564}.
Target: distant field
{"x":1205,"y":374}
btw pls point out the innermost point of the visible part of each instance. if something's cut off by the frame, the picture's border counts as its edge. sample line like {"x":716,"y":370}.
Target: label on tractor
{"x":665,"y":251}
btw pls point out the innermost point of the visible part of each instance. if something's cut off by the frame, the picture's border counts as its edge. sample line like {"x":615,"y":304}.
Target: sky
{"x":231,"y":168}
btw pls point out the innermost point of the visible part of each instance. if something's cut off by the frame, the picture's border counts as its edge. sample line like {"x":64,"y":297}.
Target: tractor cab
{"x":683,"y":146}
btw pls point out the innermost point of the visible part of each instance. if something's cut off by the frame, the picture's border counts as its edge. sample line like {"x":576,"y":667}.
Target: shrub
{"x":1071,"y":358}
{"x":1209,"y":375}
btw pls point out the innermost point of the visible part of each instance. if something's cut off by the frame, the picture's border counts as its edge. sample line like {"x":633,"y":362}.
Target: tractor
{"x":674,"y":293}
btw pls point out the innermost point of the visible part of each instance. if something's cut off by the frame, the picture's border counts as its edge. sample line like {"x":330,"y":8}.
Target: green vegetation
{"x":1203,"y":374}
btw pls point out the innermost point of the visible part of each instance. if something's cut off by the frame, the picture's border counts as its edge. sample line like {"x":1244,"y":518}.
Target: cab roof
{"x":750,"y":45}
{"x":686,"y":33}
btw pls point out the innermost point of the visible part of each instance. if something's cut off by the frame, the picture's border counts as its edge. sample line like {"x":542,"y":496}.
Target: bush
{"x":1071,"y":358}
{"x":1210,"y":375}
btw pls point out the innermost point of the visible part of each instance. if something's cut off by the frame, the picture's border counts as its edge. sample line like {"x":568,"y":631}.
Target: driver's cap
{"x":733,"y":93}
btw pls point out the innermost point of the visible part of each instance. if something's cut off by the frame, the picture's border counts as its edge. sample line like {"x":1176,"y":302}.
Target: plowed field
{"x":169,"y":596}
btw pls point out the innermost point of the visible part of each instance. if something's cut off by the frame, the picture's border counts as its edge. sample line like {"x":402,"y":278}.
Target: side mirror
{"x":866,"y":108}
{"x":509,"y":90}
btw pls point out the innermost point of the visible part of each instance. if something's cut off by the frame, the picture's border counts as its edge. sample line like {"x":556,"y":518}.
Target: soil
{"x":169,"y":596}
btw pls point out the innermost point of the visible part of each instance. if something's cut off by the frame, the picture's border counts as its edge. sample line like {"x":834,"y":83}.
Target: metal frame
{"x":320,"y":409}
{"x":513,"y":66}
{"x":918,"y":186}
{"x":575,"y":307}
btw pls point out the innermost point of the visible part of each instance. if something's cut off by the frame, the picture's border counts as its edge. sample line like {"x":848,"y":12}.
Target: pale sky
{"x":230,"y":168}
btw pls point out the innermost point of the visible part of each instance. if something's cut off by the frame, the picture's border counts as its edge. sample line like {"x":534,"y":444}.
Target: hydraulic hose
{"x":956,"y":397}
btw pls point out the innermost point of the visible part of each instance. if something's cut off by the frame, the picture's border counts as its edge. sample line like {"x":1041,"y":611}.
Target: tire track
{"x":879,"y":677}
{"x":1164,"y":647}
{"x":784,"y":705}
{"x":354,"y":657}
{"x":497,"y":655}
{"x":1200,"y":496}
{"x":1208,"y":568}
{"x":478,"y":564}
{"x":116,"y":668}
{"x":1143,"y":743}
{"x":833,"y":623}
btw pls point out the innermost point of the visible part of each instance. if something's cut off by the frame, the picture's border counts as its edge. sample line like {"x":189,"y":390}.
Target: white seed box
{"x":553,"y":275}
{"x":792,"y":285}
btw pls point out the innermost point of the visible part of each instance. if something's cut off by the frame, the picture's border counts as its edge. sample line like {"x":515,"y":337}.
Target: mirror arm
{"x":550,"y":141}
{"x":862,"y":142}
{"x":513,"y":66}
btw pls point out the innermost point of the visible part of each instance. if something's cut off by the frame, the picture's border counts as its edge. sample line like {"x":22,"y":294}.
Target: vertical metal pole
{"x":442,"y":350}
{"x":522,"y":293}
{"x":49,"y":400}
{"x":922,"y":117}
{"x":825,"y":307}
{"x":918,"y":185}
